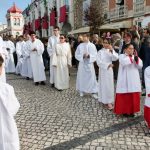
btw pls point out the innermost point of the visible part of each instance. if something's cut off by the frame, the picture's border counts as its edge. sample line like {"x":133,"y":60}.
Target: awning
{"x":116,"y":25}
{"x":80,"y":30}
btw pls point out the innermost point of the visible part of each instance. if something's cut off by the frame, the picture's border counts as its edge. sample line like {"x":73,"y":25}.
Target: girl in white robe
{"x":62,"y":61}
{"x":86,"y":79}
{"x":128,"y":89}
{"x":9,"y":105}
{"x":106,"y":78}
{"x":147,"y":98}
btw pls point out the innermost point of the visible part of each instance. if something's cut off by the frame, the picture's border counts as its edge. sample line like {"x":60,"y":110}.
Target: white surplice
{"x":106,"y":77}
{"x":26,"y":63}
{"x":19,"y":50}
{"x":86,"y":78}
{"x":128,"y":75}
{"x":61,"y":59}
{"x":10,"y":65}
{"x":37,"y":61}
{"x":53,"y":40}
{"x":9,"y":105}
{"x":4,"y":54}
{"x":147,"y":84}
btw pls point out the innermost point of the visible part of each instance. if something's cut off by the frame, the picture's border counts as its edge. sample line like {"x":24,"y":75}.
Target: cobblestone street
{"x":52,"y":120}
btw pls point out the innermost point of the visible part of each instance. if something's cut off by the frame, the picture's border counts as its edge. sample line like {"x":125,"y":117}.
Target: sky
{"x":6,"y":4}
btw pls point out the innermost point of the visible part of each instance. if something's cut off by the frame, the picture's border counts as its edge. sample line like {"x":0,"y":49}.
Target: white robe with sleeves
{"x":106,"y":77}
{"x":9,"y":105}
{"x":86,"y":78}
{"x":53,"y":40}
{"x":128,"y":75}
{"x":37,"y":61}
{"x":10,"y":65}
{"x":61,"y":59}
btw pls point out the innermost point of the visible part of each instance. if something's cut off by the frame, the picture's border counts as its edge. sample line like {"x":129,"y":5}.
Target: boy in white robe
{"x":86,"y":54}
{"x":147,"y":98}
{"x":36,"y":51}
{"x":9,"y":105}
{"x":52,"y":41}
{"x":26,"y":64}
{"x":19,"y":50}
{"x":10,"y":47}
{"x":4,"y":54}
{"x":106,"y":77}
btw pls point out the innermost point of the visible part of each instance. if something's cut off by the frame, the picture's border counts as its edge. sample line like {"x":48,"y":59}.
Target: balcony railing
{"x":139,"y":8}
{"x":118,"y":13}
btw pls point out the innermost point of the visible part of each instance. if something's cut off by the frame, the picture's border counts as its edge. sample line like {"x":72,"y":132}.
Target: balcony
{"x":139,"y":8}
{"x":119,"y":13}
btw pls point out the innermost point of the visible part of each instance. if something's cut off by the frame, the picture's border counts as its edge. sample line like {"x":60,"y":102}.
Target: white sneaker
{"x":95,"y":96}
{"x":81,"y":94}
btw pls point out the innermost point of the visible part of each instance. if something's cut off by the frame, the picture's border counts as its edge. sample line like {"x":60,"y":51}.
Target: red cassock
{"x":147,"y":115}
{"x":127,"y":103}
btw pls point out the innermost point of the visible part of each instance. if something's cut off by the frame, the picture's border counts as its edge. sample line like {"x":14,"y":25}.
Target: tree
{"x":93,"y":15}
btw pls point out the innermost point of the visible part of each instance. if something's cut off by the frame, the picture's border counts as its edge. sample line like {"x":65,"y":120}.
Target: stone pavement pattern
{"x":53,"y":120}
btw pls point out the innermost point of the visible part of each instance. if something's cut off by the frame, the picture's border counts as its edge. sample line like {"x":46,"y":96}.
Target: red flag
{"x":52,"y":18}
{"x":62,"y":14}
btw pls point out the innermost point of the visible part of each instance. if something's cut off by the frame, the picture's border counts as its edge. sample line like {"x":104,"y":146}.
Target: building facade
{"x":15,"y":22}
{"x":42,"y":15}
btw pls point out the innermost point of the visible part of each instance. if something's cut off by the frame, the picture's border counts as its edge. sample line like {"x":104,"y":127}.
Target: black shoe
{"x":52,"y":85}
{"x":131,"y":115}
{"x":143,"y":94}
{"x":59,"y":90}
{"x":27,"y":78}
{"x":43,"y":83}
{"x":36,"y":83}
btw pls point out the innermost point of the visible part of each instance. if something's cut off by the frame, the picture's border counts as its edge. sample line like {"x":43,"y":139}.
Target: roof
{"x":14,"y":9}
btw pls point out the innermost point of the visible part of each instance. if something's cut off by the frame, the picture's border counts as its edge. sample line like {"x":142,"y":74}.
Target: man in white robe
{"x":26,"y":64}
{"x":4,"y":54}
{"x":19,"y":50}
{"x":86,"y":79}
{"x":62,"y":61}
{"x":9,"y":105}
{"x":53,"y":40}
{"x":10,"y":47}
{"x":36,"y":51}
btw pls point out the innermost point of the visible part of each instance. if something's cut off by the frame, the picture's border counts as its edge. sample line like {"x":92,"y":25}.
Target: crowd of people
{"x":101,"y":60}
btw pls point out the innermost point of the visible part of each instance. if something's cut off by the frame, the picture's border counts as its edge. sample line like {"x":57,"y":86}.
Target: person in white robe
{"x":4,"y":54}
{"x":106,"y":77}
{"x":19,"y":50}
{"x":62,"y":61}
{"x":147,"y":98}
{"x":86,"y":54}
{"x":128,"y":89}
{"x":26,"y":63}
{"x":10,"y":47}
{"x":52,"y":41}
{"x":36,"y":51}
{"x":9,"y":106}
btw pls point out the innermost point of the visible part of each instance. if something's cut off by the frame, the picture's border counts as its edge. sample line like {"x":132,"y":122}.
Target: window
{"x":15,"y":21}
{"x":18,"y":22}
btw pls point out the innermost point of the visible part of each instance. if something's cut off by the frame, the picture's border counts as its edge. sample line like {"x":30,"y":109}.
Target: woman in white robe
{"x":9,"y":105}
{"x":86,"y":79}
{"x":37,"y":49}
{"x":10,"y":65}
{"x":106,"y":77}
{"x":62,"y":61}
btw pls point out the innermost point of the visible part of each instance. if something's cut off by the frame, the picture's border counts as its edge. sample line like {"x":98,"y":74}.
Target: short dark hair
{"x":148,"y":30}
{"x":86,"y":34}
{"x":127,"y":45}
{"x":128,"y":34}
{"x":56,"y":27}
{"x":1,"y":60}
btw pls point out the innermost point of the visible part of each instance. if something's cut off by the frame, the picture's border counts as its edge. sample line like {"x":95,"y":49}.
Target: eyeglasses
{"x":55,"y":30}
{"x":61,"y":38}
